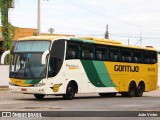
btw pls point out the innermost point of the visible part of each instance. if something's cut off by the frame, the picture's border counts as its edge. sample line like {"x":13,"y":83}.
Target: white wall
{"x":4,"y":75}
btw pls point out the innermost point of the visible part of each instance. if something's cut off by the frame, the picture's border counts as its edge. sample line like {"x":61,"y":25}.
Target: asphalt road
{"x":83,"y":102}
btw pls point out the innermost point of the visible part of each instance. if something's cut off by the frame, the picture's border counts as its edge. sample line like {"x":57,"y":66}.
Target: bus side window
{"x":126,"y":55}
{"x":114,"y":54}
{"x":137,"y":56}
{"x":153,"y":57}
{"x":101,"y":53}
{"x":135,"y":59}
{"x":71,"y":54}
{"x":146,"y":57}
{"x":72,"y":51}
{"x":87,"y":51}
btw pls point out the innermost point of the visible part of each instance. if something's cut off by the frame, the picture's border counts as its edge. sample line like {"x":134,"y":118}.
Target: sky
{"x":128,"y":20}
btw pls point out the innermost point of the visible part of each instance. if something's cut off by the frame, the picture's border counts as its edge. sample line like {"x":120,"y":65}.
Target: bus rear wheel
{"x":107,"y":94}
{"x":140,"y":89}
{"x":70,"y":92}
{"x":131,"y":90}
{"x":39,"y":96}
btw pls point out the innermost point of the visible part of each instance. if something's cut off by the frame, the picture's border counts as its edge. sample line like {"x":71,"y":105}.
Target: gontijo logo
{"x":126,"y":68}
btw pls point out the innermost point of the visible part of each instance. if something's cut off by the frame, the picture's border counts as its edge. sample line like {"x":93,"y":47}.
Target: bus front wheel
{"x":70,"y":92}
{"x":39,"y":96}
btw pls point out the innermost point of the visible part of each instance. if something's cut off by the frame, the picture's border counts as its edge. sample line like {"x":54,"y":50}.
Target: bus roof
{"x":112,"y":42}
{"x":101,"y":40}
{"x":43,"y":38}
{"x":87,"y":39}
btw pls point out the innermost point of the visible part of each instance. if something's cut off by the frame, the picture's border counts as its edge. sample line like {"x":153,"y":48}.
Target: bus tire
{"x":107,"y":94}
{"x":131,"y":90}
{"x":70,"y":92}
{"x":140,"y":89}
{"x":39,"y":96}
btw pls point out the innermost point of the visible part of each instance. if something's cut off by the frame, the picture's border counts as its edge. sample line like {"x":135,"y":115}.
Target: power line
{"x":123,"y":36}
{"x":101,"y":13}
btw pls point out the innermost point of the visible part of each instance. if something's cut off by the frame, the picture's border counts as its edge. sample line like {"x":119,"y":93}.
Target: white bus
{"x":52,"y":65}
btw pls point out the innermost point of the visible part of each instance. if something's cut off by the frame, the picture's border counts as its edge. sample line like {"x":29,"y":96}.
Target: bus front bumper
{"x":27,"y":90}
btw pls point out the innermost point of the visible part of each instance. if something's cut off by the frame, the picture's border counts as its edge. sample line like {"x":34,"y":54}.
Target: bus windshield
{"x":26,"y":59}
{"x":27,"y":65}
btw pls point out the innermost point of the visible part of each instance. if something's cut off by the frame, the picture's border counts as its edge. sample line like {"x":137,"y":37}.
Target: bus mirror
{"x":3,"y":56}
{"x":44,"y":55}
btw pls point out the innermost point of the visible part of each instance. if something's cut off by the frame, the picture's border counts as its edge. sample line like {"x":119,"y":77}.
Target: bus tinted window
{"x":78,"y":50}
{"x":101,"y":53}
{"x":72,"y":51}
{"x":114,"y":54}
{"x":137,"y":56}
{"x":146,"y":57}
{"x":153,"y":57}
{"x":126,"y":55}
{"x":87,"y":51}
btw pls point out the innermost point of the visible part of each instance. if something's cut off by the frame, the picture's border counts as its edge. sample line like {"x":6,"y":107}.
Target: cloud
{"x":125,"y":17}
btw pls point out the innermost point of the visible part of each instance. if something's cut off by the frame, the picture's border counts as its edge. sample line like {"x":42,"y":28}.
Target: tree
{"x":7,"y":28}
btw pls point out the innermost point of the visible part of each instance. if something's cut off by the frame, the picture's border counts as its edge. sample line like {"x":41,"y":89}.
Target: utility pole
{"x":38,"y":19}
{"x":140,"y":38}
{"x":51,"y":30}
{"x":106,"y":33}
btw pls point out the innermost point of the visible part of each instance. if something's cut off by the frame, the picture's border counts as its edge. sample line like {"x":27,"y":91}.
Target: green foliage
{"x":34,"y":34}
{"x":8,"y":30}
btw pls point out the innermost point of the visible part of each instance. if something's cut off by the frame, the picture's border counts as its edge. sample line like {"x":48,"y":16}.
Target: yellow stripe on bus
{"x":19,"y":82}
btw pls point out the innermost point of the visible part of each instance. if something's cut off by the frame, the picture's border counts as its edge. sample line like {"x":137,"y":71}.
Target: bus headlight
{"x":39,"y":84}
{"x":10,"y":83}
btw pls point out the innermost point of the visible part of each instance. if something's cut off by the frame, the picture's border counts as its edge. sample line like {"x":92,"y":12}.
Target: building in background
{"x":19,"y":33}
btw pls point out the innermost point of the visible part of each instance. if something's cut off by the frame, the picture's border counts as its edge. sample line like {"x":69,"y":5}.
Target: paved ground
{"x":83,"y":102}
